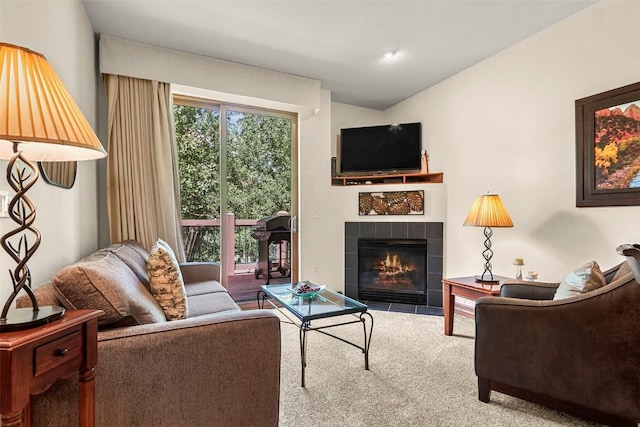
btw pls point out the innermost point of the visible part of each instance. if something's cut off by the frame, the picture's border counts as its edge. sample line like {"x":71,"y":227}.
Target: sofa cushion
{"x":211,"y":303}
{"x":106,"y":283}
{"x":165,"y":281}
{"x":583,"y":279}
{"x":200,"y":288}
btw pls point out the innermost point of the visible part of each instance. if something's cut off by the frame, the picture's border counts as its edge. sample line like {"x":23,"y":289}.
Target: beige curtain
{"x":142,"y":175}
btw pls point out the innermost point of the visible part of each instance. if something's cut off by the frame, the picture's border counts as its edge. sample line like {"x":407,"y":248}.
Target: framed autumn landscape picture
{"x":608,"y":148}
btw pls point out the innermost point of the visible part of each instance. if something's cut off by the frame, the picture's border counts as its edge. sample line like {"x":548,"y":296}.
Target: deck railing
{"x":202,"y":238}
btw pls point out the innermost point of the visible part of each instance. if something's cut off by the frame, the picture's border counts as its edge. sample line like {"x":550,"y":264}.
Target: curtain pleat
{"x":143,"y":193}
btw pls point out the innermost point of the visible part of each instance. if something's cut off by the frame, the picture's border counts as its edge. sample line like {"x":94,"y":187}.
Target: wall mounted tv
{"x":380,"y":149}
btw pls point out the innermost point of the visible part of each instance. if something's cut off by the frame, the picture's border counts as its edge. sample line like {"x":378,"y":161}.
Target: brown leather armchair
{"x":580,"y":355}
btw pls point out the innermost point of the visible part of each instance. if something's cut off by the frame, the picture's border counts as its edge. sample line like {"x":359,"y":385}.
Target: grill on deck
{"x":273,"y":230}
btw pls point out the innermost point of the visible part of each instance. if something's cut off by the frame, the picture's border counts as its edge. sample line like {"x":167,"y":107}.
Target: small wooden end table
{"x":32,"y":360}
{"x":466,"y":287}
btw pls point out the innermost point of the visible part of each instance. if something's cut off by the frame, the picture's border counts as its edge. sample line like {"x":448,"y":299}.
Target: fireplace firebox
{"x":429,"y":286}
{"x":392,"y":270}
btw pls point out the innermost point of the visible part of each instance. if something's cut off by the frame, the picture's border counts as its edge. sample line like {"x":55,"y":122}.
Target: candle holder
{"x":519,"y":263}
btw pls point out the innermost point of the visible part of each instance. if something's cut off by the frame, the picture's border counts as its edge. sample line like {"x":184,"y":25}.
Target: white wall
{"x":507,"y":126}
{"x":67,"y":219}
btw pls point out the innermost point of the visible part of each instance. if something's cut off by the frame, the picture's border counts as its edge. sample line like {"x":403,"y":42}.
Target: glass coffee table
{"x":326,"y":304}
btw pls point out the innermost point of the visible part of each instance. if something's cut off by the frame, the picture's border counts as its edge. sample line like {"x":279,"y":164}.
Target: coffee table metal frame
{"x":326,"y":304}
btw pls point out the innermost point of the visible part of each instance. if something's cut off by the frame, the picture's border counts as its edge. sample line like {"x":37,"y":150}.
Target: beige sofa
{"x":218,"y":367}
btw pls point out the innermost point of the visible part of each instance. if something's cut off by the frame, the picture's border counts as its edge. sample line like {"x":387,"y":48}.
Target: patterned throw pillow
{"x":583,"y":279}
{"x":165,"y":280}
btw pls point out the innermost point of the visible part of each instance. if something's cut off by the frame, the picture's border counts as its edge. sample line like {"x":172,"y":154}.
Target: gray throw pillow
{"x":583,"y":279}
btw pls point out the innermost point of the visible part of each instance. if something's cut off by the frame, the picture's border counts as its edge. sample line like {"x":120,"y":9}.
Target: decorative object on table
{"x":518,"y":262}
{"x":424,"y":162}
{"x":488,"y":211}
{"x":40,"y":121}
{"x":307,"y":290}
{"x":391,"y":203}
{"x":531,"y":276}
{"x":608,"y":147}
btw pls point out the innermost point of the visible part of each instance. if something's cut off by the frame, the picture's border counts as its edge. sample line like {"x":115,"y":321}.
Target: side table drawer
{"x":57,"y":352}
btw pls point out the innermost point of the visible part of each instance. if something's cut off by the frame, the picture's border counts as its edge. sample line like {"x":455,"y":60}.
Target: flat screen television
{"x":380,"y":149}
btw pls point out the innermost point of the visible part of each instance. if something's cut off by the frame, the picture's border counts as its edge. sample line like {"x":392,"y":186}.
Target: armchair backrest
{"x":632,"y":253}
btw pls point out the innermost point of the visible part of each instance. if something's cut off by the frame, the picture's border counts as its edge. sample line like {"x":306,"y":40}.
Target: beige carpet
{"x":417,"y":377}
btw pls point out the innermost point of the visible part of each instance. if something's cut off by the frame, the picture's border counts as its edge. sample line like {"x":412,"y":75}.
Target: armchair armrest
{"x":528,"y":290}
{"x":200,"y":271}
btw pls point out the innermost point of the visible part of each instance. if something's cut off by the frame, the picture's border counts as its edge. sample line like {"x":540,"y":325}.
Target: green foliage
{"x":198,"y":140}
{"x":258,"y":171}
{"x":259,"y":164}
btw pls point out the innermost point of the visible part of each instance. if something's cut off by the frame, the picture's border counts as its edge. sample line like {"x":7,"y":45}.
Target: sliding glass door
{"x":236,"y":169}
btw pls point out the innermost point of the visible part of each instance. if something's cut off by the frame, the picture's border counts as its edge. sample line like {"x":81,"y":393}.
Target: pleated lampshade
{"x":37,"y":111}
{"x":488,"y":211}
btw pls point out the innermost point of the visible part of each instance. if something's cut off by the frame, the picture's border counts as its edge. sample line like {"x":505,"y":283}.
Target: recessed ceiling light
{"x":390,"y":53}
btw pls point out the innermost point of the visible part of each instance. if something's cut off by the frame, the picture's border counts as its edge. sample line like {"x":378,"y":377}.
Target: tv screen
{"x":380,"y":149}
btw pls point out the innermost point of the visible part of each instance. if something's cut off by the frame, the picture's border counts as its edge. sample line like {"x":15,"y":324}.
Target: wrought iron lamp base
{"x":485,"y":278}
{"x":25,"y":318}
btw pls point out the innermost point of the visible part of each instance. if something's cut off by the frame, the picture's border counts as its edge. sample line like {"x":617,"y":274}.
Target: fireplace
{"x":392,"y":270}
{"x":412,"y":273}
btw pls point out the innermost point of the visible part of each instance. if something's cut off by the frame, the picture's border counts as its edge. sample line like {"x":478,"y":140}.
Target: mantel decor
{"x":608,"y":148}
{"x":391,"y":203}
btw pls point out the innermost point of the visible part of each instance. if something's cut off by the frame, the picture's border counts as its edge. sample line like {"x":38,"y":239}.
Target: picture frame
{"x":391,"y":203}
{"x":608,"y":148}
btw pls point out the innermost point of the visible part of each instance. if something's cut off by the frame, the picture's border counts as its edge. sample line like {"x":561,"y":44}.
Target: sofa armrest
{"x":528,"y":290}
{"x":200,"y":271}
{"x":219,"y":369}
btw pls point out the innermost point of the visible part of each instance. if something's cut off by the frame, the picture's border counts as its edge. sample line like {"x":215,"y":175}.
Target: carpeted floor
{"x":417,"y":377}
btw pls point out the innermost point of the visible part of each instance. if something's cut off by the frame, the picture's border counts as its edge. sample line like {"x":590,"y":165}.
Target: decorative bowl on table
{"x":307,"y":290}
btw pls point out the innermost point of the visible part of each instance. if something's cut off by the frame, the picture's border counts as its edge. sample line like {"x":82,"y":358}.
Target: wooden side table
{"x":466,"y":287}
{"x":33,"y":359}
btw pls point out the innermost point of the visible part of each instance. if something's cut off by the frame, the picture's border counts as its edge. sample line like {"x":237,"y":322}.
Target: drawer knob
{"x":62,"y":352}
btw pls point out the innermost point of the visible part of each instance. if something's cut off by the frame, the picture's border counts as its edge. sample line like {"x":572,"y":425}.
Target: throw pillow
{"x":107,"y":284}
{"x":622,"y":271}
{"x":135,"y":259}
{"x":583,"y":279}
{"x":165,"y":281}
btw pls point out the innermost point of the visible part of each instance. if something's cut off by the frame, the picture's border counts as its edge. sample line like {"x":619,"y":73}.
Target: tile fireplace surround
{"x":431,"y":231}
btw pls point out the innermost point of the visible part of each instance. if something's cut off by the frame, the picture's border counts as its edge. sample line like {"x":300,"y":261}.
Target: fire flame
{"x":393,"y":265}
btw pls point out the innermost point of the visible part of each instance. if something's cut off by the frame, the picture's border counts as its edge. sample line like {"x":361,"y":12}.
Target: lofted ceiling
{"x":339,"y":42}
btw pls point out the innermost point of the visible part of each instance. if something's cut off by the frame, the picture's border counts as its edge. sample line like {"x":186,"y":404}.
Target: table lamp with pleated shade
{"x":488,"y":211}
{"x":39,"y":121}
